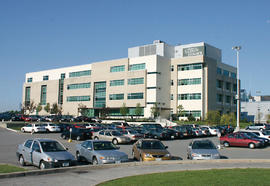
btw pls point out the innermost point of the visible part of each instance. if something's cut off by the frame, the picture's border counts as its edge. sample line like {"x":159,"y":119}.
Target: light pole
{"x":237,"y":48}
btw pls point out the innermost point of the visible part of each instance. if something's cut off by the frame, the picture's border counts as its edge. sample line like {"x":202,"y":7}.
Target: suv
{"x":258,"y":126}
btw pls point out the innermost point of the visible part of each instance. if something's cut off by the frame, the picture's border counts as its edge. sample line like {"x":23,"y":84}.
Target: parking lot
{"x":9,"y":141}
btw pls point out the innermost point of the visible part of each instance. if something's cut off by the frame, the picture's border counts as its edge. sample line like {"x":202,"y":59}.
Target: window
{"x":234,"y":87}
{"x":171,"y":82}
{"x":80,"y":73}
{"x":228,"y":86}
{"x":119,"y":82}
{"x":135,"y":96}
{"x":219,"y":84}
{"x":153,"y":72}
{"x":192,"y":96}
{"x":135,"y":81}
{"x":116,"y":96}
{"x":134,"y":67}
{"x":120,"y":68}
{"x":43,"y":95}
{"x":228,"y":99}
{"x":153,"y":87}
{"x":36,"y":147}
{"x":226,"y":73}
{"x":28,"y":143}
{"x":79,"y":86}
{"x":29,"y":80}
{"x":78,"y":98}
{"x":189,"y":67}
{"x":194,"y":81}
{"x":45,"y":78}
{"x":27,"y":95}
{"x":172,"y":68}
{"x":233,"y":75}
{"x":219,"y":98}
{"x":171,"y":96}
{"x":195,"y":113}
{"x":219,"y":71}
{"x":63,"y":76}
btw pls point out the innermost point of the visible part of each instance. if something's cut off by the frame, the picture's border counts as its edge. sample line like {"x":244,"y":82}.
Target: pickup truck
{"x":44,"y":153}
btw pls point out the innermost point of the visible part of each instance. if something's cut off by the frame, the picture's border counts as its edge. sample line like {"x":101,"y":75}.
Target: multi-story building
{"x":158,"y":74}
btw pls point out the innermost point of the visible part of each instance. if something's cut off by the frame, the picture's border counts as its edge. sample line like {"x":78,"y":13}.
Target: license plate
{"x":65,"y":164}
{"x":158,"y":159}
{"x":117,"y":162}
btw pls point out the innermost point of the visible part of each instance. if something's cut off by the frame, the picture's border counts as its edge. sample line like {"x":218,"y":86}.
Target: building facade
{"x":155,"y":75}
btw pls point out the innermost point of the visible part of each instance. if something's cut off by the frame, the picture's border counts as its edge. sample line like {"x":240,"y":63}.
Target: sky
{"x":40,"y":35}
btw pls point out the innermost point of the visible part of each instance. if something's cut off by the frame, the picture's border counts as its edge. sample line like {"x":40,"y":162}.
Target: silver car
{"x":202,"y":150}
{"x":111,"y":135}
{"x":44,"y":153}
{"x":99,"y":152}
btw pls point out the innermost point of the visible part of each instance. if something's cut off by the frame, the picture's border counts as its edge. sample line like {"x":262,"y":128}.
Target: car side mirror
{"x":89,"y":148}
{"x":166,"y":147}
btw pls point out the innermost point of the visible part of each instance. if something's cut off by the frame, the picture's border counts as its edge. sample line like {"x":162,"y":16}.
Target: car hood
{"x":61,"y":155}
{"x":155,"y":151}
{"x":205,"y":151}
{"x":110,"y":153}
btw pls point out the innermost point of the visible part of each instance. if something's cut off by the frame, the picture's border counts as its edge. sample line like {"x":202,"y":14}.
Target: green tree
{"x":213,"y":117}
{"x":180,"y":110}
{"x":191,"y":117}
{"x":104,"y":112}
{"x":30,"y":106}
{"x":82,"y":109}
{"x":47,"y":108}
{"x":124,"y":110}
{"x":155,"y":110}
{"x":39,"y":108}
{"x":268,"y":118}
{"x":228,"y":119}
{"x":54,"y":109}
{"x":138,"y":109}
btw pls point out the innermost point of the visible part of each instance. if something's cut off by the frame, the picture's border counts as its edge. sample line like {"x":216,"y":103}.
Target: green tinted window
{"x":194,"y":96}
{"x":116,"y":96}
{"x":43,"y":95}
{"x":119,"y":82}
{"x":135,"y":81}
{"x":80,"y":73}
{"x":29,"y":80}
{"x":79,"y":86}
{"x":194,"y":81}
{"x":120,"y":68}
{"x":78,"y":98}
{"x":135,"y":96}
{"x":189,"y":67}
{"x":134,"y":67}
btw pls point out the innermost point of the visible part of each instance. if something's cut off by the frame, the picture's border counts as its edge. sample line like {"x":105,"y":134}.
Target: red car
{"x":240,"y":140}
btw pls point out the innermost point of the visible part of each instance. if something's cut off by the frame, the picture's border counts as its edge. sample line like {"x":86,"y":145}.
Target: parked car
{"x":100,"y":152}
{"x":241,"y":140}
{"x":197,"y":132}
{"x":121,"y":124}
{"x":82,"y":119}
{"x":258,"y":126}
{"x":202,"y":150}
{"x":44,"y":153}
{"x":205,"y":131}
{"x":77,"y":133}
{"x":212,"y":129}
{"x":64,"y":126}
{"x":256,"y":135}
{"x":150,"y":150}
{"x":111,"y":135}
{"x":151,"y":125}
{"x":33,"y":128}
{"x":159,"y":133}
{"x":132,"y":134}
{"x":51,"y":127}
{"x":66,"y":118}
{"x":186,"y":131}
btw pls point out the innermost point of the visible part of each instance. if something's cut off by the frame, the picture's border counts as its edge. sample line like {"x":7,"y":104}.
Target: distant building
{"x":256,"y":109}
{"x":192,"y":75}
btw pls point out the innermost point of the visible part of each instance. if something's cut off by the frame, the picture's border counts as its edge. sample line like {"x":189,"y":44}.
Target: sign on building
{"x":193,"y":51}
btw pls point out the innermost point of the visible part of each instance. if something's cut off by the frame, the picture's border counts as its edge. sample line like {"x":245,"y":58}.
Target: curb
{"x":106,"y":166}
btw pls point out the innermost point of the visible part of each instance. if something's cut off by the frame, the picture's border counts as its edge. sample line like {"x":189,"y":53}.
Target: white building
{"x":192,"y":75}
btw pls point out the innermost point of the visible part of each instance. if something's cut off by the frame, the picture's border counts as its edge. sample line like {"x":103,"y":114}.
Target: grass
{"x":4,"y":168}
{"x":15,"y":128}
{"x":215,"y":177}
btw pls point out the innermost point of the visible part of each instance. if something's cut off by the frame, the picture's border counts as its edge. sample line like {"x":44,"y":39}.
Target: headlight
{"x":195,"y":155}
{"x":147,"y":155}
{"x":167,"y":155}
{"x":49,"y":159}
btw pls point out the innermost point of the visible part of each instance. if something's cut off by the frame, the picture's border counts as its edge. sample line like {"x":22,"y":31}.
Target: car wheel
{"x":78,"y":138}
{"x":95,"y":138}
{"x":226,"y":144}
{"x":78,"y":156}
{"x":251,"y":145}
{"x":261,"y":130}
{"x":22,"y":130}
{"x":21,"y":160}
{"x":47,"y":130}
{"x":114,"y":141}
{"x":42,"y":165}
{"x":94,"y":161}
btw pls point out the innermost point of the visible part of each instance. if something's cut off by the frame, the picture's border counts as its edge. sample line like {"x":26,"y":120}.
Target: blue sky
{"x":38,"y":35}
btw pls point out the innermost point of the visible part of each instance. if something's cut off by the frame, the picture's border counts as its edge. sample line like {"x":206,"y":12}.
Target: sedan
{"x":44,"y":153}
{"x":150,"y":150}
{"x":202,"y":150}
{"x":99,"y":152}
{"x":33,"y":128}
{"x":111,"y":135}
{"x":50,"y":127}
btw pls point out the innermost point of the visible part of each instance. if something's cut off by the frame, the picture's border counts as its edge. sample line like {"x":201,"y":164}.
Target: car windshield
{"x":250,"y":134}
{"x":52,"y":146}
{"x":104,"y":145}
{"x":266,"y":132}
{"x":152,"y":145}
{"x":133,"y":132}
{"x":116,"y":133}
{"x":203,"y":145}
{"x":38,"y":125}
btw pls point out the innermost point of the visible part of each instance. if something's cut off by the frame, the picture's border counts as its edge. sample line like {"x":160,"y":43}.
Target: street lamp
{"x":237,"y":48}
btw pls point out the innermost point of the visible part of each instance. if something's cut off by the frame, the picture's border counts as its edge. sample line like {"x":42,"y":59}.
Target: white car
{"x":33,"y":128}
{"x":262,"y":134}
{"x":213,"y":130}
{"x":50,"y":127}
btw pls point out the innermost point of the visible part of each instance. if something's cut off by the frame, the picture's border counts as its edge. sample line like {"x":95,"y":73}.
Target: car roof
{"x":43,"y":139}
{"x":98,"y":141}
{"x":148,"y":140}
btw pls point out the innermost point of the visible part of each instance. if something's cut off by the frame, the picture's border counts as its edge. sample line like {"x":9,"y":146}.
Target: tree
{"x":155,"y":110}
{"x":60,"y":110}
{"x":47,"y":108}
{"x":104,"y":112}
{"x":191,"y":117}
{"x":54,"y":109}
{"x":30,"y":106}
{"x":138,"y":109}
{"x":180,"y":110}
{"x":124,"y":110}
{"x":82,"y":109}
{"x":268,"y":118}
{"x":213,"y":116}
{"x":228,"y":119}
{"x":39,"y":108}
